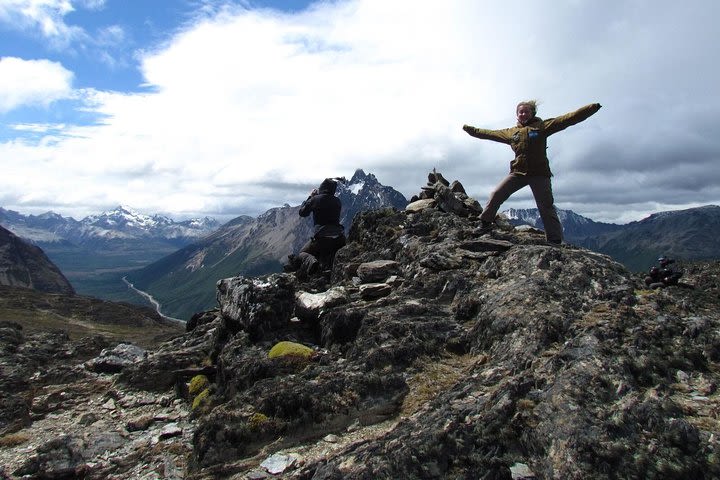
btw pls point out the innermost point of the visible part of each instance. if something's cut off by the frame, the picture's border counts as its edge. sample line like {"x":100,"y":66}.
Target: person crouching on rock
{"x":329,"y":235}
{"x":528,"y":139}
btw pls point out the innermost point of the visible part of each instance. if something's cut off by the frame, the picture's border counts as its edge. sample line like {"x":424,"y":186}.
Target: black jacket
{"x":325,"y":208}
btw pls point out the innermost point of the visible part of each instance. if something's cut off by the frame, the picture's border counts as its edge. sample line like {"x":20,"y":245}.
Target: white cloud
{"x":46,"y":16}
{"x":242,"y":99}
{"x":32,"y":82}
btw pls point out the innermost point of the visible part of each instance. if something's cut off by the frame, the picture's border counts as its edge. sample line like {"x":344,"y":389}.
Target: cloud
{"x":240,"y":100}
{"x":32,"y":82}
{"x":45,"y":16}
{"x":47,"y":19}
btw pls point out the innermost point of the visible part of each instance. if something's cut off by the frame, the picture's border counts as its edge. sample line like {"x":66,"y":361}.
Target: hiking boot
{"x":485,"y":227}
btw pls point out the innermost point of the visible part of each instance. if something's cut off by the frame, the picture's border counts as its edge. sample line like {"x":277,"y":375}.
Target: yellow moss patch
{"x":285,"y":349}
{"x":198,"y":384}
{"x":202,"y":399}
{"x":257,"y":420}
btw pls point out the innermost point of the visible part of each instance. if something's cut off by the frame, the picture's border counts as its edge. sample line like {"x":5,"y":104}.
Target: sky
{"x":194,"y":108}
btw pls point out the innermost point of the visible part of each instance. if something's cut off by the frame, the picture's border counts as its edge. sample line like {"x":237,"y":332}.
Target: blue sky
{"x":199,"y":107}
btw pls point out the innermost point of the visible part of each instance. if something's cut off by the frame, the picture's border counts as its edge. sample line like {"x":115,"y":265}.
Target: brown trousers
{"x":542,"y":191}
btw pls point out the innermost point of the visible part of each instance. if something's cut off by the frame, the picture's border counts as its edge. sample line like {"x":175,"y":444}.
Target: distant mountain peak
{"x":122,"y":222}
{"x":50,"y":215}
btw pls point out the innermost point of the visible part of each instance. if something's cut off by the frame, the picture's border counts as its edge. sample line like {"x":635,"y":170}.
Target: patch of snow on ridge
{"x":356,"y":187}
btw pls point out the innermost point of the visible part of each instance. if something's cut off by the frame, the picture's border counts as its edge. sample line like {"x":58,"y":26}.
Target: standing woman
{"x":528,"y":139}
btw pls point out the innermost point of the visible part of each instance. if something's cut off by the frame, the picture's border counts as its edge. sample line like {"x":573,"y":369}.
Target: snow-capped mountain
{"x":123,"y":221}
{"x":365,"y":192}
{"x":120,"y":223}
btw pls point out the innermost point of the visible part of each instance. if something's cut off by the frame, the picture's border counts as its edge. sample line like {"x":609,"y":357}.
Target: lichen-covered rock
{"x":258,"y":306}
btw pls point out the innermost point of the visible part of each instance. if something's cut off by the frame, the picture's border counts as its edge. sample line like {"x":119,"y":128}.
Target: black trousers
{"x":320,"y":250}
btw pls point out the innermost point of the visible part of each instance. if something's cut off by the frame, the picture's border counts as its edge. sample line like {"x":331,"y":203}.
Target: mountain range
{"x":178,"y":263}
{"x":686,"y":235}
{"x":121,"y":223}
{"x":95,"y":252}
{"x":184,"y":282}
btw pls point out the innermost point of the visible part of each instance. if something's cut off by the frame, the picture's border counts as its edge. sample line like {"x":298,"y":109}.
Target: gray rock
{"x":278,"y":463}
{"x":377,"y":270}
{"x":420,"y":205}
{"x":310,"y":306}
{"x":115,"y":359}
{"x":372,"y":291}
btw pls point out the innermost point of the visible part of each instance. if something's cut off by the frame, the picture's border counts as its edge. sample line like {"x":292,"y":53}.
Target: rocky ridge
{"x":25,"y":265}
{"x":433,"y":353}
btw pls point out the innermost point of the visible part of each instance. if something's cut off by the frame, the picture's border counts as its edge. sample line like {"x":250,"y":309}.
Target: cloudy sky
{"x":199,"y":107}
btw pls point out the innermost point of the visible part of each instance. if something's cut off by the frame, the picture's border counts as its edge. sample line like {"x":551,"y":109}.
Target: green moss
{"x":201,"y":400}
{"x":257,"y":420}
{"x":292,"y":349}
{"x":198,"y":384}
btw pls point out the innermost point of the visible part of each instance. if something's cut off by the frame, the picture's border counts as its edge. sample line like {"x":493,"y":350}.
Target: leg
{"x":328,"y":247}
{"x":542,"y":191}
{"x":308,"y":265}
{"x":509,"y":185}
{"x":308,"y":259}
{"x":312,"y":247}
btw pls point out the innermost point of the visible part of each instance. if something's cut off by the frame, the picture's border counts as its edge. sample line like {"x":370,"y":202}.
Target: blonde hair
{"x":530,"y":103}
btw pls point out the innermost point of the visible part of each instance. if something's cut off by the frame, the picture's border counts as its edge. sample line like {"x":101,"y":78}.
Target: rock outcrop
{"x":438,"y":353}
{"x":25,"y":265}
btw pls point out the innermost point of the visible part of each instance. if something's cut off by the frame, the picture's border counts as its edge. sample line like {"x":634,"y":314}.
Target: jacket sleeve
{"x":306,"y":207}
{"x":554,"y":125}
{"x":502,"y":136}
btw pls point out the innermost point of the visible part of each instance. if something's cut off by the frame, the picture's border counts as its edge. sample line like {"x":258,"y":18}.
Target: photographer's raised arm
{"x":306,"y":208}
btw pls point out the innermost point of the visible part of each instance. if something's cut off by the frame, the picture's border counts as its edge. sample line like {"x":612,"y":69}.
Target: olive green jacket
{"x":529,"y":142}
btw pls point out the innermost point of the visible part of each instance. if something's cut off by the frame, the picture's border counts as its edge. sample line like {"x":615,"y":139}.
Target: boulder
{"x":115,"y":359}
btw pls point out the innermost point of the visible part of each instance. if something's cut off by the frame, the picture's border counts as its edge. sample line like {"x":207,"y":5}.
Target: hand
{"x":467,"y":128}
{"x":314,"y":192}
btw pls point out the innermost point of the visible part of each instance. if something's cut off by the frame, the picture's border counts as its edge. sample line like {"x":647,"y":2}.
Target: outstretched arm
{"x":502,"y":136}
{"x":554,"y":125}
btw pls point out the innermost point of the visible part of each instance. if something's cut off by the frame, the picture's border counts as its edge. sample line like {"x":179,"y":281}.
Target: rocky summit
{"x":428,"y":351}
